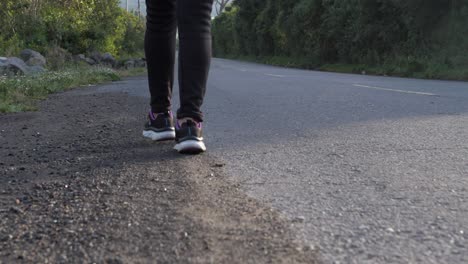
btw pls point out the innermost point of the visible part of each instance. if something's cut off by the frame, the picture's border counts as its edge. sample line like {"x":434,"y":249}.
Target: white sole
{"x":159,"y":136}
{"x":190,"y":146}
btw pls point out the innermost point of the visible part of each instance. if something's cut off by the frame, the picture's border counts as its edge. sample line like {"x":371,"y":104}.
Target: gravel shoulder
{"x":79,"y":184}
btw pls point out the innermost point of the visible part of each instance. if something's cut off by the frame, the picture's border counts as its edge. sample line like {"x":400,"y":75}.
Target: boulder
{"x":3,"y":61}
{"x":96,"y":56}
{"x":130,"y":64}
{"x":79,"y":57}
{"x":13,"y":66}
{"x":33,"y":58}
{"x":36,"y":69}
{"x":83,"y":58}
{"x":90,"y":61}
{"x":108,"y":59}
{"x":57,"y":57}
{"x":3,"y":66}
{"x":16,"y":66}
{"x":140,"y":63}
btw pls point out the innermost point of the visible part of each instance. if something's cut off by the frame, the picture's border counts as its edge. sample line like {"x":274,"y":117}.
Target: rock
{"x":33,"y":58}
{"x":90,"y":61}
{"x":299,"y":219}
{"x":13,"y":66}
{"x":3,"y":65}
{"x":35,"y":61}
{"x":108,"y":59}
{"x":57,"y":57}
{"x":16,"y":210}
{"x":140,"y":63}
{"x":16,"y":66}
{"x":113,"y":261}
{"x":36,"y":69}
{"x":363,"y":227}
{"x":80,"y":57}
{"x":83,"y":58}
{"x":96,"y":56}
{"x":130,"y":64}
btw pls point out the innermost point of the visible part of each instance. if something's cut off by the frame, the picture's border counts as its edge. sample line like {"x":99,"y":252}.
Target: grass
{"x":132,"y":72}
{"x":282,"y":61}
{"x":402,"y":67}
{"x":21,"y":93}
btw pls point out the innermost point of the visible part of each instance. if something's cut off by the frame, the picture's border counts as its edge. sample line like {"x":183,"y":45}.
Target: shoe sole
{"x":159,"y":136}
{"x":190,"y":147}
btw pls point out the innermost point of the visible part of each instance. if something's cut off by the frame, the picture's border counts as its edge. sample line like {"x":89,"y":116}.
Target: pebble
{"x":363,"y":227}
{"x":299,"y":219}
{"x":16,"y":210}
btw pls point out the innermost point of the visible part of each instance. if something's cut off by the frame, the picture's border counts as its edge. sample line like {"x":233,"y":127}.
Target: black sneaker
{"x":189,"y":138}
{"x":159,"y":127}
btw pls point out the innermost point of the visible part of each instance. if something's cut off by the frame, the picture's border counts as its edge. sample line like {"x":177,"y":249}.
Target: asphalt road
{"x":368,"y":169}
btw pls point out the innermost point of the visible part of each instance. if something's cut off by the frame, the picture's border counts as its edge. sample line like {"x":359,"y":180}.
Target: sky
{"x":133,"y":4}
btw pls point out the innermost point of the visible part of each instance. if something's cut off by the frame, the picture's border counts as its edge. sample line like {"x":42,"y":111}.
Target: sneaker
{"x":159,"y":127}
{"x":189,"y":138}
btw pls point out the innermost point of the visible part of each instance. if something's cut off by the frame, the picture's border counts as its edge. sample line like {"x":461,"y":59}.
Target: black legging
{"x":193,"y":19}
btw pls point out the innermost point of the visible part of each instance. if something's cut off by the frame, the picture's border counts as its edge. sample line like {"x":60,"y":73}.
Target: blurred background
{"x":415,"y":38}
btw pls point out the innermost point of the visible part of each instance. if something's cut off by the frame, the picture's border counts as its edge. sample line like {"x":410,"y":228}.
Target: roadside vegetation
{"x":411,"y":38}
{"x":20,"y":93}
{"x":66,"y":32}
{"x":77,"y":26}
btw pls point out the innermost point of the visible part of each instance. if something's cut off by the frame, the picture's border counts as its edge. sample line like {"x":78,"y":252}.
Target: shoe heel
{"x":190,"y":147}
{"x":159,"y":136}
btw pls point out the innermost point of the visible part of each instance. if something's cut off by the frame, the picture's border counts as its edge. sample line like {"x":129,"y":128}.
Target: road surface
{"x":346,"y":168}
{"x":368,"y":169}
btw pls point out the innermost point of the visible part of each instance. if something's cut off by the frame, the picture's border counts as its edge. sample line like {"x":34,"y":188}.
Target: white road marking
{"x":393,"y":90}
{"x":274,"y":75}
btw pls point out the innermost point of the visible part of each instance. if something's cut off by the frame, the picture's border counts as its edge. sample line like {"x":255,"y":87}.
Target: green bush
{"x":78,"y":26}
{"x":425,"y":38}
{"x":224,"y":41}
{"x":20,"y":93}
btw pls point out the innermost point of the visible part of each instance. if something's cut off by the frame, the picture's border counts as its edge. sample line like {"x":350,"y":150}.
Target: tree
{"x":405,"y":36}
{"x":220,"y":5}
{"x":79,"y":26}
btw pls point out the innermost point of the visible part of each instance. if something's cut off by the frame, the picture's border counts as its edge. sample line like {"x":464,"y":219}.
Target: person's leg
{"x":160,"y":44}
{"x":160,"y":39}
{"x":194,"y":22}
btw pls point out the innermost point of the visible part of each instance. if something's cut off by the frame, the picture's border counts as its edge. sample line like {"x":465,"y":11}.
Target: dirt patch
{"x":78,"y":183}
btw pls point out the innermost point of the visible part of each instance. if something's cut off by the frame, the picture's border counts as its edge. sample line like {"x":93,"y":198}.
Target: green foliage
{"x":78,"y":26}
{"x":133,"y":39}
{"x":224,"y":42}
{"x":10,"y":46}
{"x":403,"y":37}
{"x":20,"y":93}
